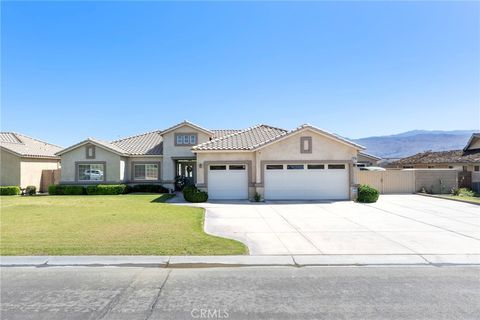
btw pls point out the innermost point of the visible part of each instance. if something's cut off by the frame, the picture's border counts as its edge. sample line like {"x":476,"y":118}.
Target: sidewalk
{"x":239,"y":261}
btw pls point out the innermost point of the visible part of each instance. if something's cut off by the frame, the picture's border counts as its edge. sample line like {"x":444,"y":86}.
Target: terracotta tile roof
{"x":224,"y":132}
{"x":247,"y":139}
{"x":149,"y":143}
{"x":431,"y":157}
{"x":26,"y":146}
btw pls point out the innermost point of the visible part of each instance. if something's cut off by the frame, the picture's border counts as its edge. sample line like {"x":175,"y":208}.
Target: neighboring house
{"x":466,"y":160}
{"x":305,"y":163}
{"x":367,"y":160}
{"x":23,"y":159}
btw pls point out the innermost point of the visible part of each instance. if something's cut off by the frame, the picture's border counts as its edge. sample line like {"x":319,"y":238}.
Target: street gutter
{"x":242,"y":261}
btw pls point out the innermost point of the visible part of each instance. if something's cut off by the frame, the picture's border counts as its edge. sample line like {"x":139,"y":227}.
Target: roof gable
{"x":102,"y":144}
{"x":188,"y":124}
{"x":305,"y":127}
{"x":474,"y":140}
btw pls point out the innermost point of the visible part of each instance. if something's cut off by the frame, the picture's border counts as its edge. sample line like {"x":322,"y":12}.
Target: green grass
{"x":133,"y":224}
{"x":463,"y":198}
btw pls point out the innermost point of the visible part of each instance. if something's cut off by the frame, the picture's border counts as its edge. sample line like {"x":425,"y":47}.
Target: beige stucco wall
{"x":9,"y":169}
{"x":323,"y":148}
{"x":31,"y":170}
{"x":113,"y":163}
{"x":170,"y":150}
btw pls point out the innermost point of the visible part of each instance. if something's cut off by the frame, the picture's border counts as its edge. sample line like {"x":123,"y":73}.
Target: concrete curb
{"x":445,"y":198}
{"x":240,"y":261}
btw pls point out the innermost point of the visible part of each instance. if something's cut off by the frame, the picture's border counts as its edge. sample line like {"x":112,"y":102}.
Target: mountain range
{"x":411,"y":142}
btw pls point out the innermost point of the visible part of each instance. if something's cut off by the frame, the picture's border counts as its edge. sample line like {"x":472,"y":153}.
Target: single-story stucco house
{"x":466,"y":160}
{"x":304,"y":163}
{"x":23,"y":159}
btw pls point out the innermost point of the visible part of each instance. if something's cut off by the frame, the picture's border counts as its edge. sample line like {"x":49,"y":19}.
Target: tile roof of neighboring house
{"x":223,"y":132}
{"x":247,"y":139}
{"x":25,"y":146}
{"x":431,"y":157}
{"x":149,"y":143}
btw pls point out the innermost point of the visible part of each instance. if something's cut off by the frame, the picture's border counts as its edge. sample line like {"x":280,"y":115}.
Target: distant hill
{"x":409,"y":143}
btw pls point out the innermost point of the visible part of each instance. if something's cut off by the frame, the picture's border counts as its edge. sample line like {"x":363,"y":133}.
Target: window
{"x":476,"y":168}
{"x":336,"y":166}
{"x":185,"y":139}
{"x":407,"y":167}
{"x":218,"y":167}
{"x":295,"y":167}
{"x":431,"y":167}
{"x":145,"y":171}
{"x":237,"y":167}
{"x":274,"y":166}
{"x":91,"y":172}
{"x":315,"y":166}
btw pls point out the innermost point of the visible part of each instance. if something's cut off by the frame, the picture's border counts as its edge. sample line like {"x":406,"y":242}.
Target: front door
{"x":186,"y":170}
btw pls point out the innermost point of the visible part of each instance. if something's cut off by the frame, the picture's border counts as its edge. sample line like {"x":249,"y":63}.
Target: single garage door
{"x":306,"y":181}
{"x":228,"y":182}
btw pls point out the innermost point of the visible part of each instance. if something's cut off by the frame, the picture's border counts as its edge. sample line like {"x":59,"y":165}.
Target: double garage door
{"x":306,"y":181}
{"x":282,"y":181}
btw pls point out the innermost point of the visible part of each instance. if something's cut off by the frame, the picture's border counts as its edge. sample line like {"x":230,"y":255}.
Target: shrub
{"x":9,"y":190}
{"x":367,"y":194}
{"x":151,"y":188}
{"x":62,"y":189}
{"x":463,"y":192}
{"x":31,"y":190}
{"x":192,"y":194}
{"x":106,"y":189}
{"x":257,"y":197}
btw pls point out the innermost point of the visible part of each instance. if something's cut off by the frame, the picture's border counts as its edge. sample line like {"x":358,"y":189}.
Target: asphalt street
{"x":421,"y":292}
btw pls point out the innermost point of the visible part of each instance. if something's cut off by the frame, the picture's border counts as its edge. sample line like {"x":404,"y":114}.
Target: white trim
{"x":188,"y":124}
{"x":84,"y":142}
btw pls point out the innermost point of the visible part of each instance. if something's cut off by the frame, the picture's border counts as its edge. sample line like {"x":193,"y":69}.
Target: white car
{"x":94,"y":174}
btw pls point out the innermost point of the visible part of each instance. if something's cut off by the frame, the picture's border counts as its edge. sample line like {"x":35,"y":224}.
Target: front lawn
{"x":463,"y":198}
{"x":133,"y":224}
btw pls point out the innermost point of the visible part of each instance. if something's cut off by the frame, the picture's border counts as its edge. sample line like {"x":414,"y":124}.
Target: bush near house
{"x":31,"y":190}
{"x":367,"y":194}
{"x":62,"y":189}
{"x":463,"y":192}
{"x":150,"y":188}
{"x":192,"y":194}
{"x":9,"y":190}
{"x":106,"y":189}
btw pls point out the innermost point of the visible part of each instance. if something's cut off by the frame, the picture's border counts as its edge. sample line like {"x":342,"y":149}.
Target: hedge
{"x":151,"y":188}
{"x":105,"y":189}
{"x":9,"y":190}
{"x":367,"y":194}
{"x":62,"y":189}
{"x":192,"y":194}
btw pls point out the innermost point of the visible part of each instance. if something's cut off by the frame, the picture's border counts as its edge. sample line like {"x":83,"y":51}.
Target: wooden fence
{"x":49,"y":177}
{"x":410,"y":181}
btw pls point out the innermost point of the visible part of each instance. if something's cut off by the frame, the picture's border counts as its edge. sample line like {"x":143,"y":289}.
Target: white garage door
{"x":306,"y":181}
{"x":228,"y":181}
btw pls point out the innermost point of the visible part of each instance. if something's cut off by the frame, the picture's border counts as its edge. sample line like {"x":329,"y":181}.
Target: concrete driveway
{"x":396,"y":224}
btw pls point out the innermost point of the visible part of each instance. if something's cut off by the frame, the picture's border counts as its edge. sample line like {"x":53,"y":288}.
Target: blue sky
{"x":71,"y":70}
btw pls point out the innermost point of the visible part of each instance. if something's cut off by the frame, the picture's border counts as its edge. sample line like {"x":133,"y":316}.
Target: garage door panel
{"x":307,"y":184}
{"x":228,"y":184}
